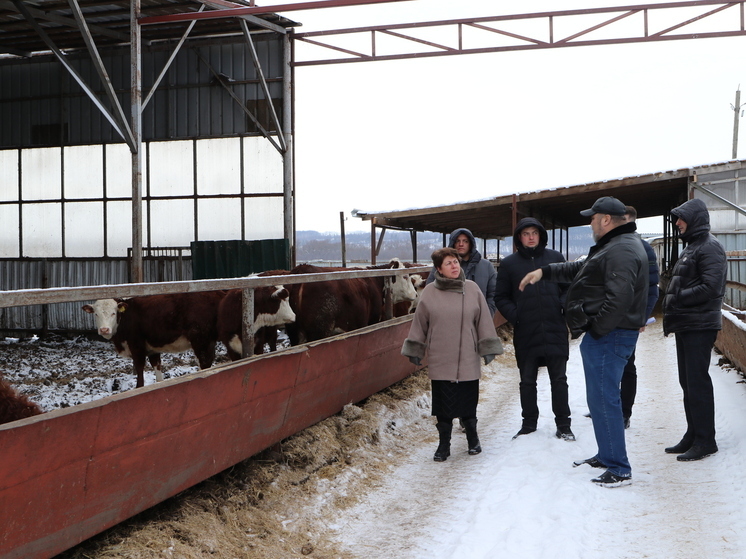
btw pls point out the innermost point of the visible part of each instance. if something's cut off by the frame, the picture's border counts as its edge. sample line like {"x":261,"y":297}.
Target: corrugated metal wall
{"x":43,"y":273}
{"x":41,"y":104}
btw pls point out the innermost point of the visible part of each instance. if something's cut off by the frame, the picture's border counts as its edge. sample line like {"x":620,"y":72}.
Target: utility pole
{"x":737,"y":115}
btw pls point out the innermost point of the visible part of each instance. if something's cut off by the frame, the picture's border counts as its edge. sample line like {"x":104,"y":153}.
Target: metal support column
{"x":136,"y":101}
{"x":288,"y":161}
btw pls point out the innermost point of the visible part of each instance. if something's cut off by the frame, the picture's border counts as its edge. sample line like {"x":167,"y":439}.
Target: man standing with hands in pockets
{"x":606,"y":300}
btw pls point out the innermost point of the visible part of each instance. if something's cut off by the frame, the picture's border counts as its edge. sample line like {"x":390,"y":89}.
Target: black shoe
{"x":607,"y":479}
{"x":564,"y":432}
{"x":442,"y":454}
{"x":472,"y":439}
{"x":524,"y":431}
{"x":682,"y":446}
{"x":697,"y":452}
{"x":592,"y":462}
{"x":626,"y":422}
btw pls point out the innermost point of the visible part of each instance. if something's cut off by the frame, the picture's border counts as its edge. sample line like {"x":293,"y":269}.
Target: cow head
{"x":418,"y":282}
{"x":401,"y":286}
{"x":106,"y":315}
{"x":278,"y":312}
{"x":285,"y":314}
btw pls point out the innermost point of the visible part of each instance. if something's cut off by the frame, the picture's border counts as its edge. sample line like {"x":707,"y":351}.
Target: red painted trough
{"x":69,"y":474}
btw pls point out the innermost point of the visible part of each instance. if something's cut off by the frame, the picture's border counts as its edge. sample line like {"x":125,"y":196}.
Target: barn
{"x":212,"y":132}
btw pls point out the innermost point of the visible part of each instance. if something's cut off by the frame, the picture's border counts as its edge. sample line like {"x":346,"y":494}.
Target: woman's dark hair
{"x":439,"y":255}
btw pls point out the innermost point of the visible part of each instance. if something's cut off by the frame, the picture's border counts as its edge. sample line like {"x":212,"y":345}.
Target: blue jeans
{"x":603,"y":364}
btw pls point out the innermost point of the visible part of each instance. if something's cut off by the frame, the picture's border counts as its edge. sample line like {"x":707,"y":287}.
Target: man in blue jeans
{"x":606,"y":300}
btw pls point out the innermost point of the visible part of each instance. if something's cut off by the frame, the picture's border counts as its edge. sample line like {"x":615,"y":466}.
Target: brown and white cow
{"x":145,"y":327}
{"x":271,"y":309}
{"x":323,"y":309}
{"x":408,"y":307}
{"x":15,"y":406}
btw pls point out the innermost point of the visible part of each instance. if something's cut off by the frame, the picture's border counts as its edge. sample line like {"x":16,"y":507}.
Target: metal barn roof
{"x":109,"y":23}
{"x":653,"y":194}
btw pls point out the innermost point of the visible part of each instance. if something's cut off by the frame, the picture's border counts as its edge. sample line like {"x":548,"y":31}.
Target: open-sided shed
{"x":720,"y":185}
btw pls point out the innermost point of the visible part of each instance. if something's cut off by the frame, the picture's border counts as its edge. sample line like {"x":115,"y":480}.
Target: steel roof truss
{"x":170,"y":61}
{"x":529,"y":43}
{"x":263,"y":81}
{"x":78,"y":78}
{"x":118,"y":112}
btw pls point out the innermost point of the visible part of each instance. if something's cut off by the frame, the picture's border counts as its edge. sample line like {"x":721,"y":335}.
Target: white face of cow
{"x":284,"y":314}
{"x":419,"y":285}
{"x":401,"y":286}
{"x":104,"y":313}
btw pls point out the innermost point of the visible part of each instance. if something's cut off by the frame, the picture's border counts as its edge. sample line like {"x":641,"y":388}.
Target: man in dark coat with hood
{"x":540,"y":334}
{"x":477,"y":269}
{"x":692,"y":311}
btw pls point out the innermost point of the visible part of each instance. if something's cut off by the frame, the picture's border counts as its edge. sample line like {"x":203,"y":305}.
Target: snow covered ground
{"x":522,"y":499}
{"x":519,"y":499}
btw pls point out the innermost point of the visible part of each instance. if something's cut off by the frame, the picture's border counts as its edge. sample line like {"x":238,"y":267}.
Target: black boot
{"x":444,"y":447}
{"x":472,"y":438}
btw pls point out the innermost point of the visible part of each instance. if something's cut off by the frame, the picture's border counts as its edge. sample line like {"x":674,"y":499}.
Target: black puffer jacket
{"x":609,"y":289}
{"x":536,"y":313}
{"x":694,"y":295}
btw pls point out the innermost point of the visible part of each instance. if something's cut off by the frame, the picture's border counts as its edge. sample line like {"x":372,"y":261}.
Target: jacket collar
{"x":447,"y":284}
{"x":621,"y":230}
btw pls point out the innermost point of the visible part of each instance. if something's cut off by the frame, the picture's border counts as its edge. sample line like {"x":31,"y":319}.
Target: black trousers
{"x":629,"y":386}
{"x":557,"y":368}
{"x":693,"y":352}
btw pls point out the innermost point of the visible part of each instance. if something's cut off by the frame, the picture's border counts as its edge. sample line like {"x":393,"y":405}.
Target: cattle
{"x":327,"y":308}
{"x":14,"y":406}
{"x":408,"y":307}
{"x":271,"y":309}
{"x":145,"y":327}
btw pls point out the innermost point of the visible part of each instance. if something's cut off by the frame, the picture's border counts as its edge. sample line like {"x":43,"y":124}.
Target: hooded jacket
{"x":453,"y":325}
{"x":694,"y":296}
{"x":476,"y":269}
{"x":536,"y":313}
{"x":609,"y":289}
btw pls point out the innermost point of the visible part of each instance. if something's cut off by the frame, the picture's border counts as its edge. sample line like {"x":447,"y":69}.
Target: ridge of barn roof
{"x":652,"y":194}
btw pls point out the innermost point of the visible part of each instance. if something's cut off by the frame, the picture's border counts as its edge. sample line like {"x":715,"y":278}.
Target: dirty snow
{"x":519,"y":499}
{"x":523,"y":499}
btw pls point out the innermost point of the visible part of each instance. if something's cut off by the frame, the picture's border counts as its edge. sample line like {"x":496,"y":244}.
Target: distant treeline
{"x":312,"y":245}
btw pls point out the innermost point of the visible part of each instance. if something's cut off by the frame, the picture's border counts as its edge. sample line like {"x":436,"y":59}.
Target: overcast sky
{"x":382,"y":136}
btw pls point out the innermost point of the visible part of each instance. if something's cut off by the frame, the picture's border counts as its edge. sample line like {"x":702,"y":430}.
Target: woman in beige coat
{"x":453,"y":325}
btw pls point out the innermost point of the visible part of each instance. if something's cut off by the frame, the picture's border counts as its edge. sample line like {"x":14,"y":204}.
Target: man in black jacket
{"x":540,"y":334}
{"x":692,"y":311}
{"x":606,"y":300}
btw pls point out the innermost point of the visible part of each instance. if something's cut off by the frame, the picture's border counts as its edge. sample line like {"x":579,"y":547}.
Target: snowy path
{"x":522,"y":499}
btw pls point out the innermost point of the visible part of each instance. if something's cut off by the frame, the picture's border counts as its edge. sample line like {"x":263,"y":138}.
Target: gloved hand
{"x":414,"y":360}
{"x":488,"y":359}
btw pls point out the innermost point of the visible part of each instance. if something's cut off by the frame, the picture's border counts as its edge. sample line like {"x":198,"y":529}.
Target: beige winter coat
{"x":453,"y":325}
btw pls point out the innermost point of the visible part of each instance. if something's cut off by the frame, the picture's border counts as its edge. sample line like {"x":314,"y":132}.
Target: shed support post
{"x":247,"y":323}
{"x":288,"y":159}
{"x":136,"y":275}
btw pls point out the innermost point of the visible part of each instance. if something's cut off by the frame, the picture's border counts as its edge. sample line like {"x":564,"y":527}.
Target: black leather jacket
{"x":694,"y":295}
{"x":609,"y":289}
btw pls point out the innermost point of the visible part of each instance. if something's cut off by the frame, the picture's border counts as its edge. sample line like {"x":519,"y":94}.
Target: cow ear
{"x":121,"y":306}
{"x":88,"y":308}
